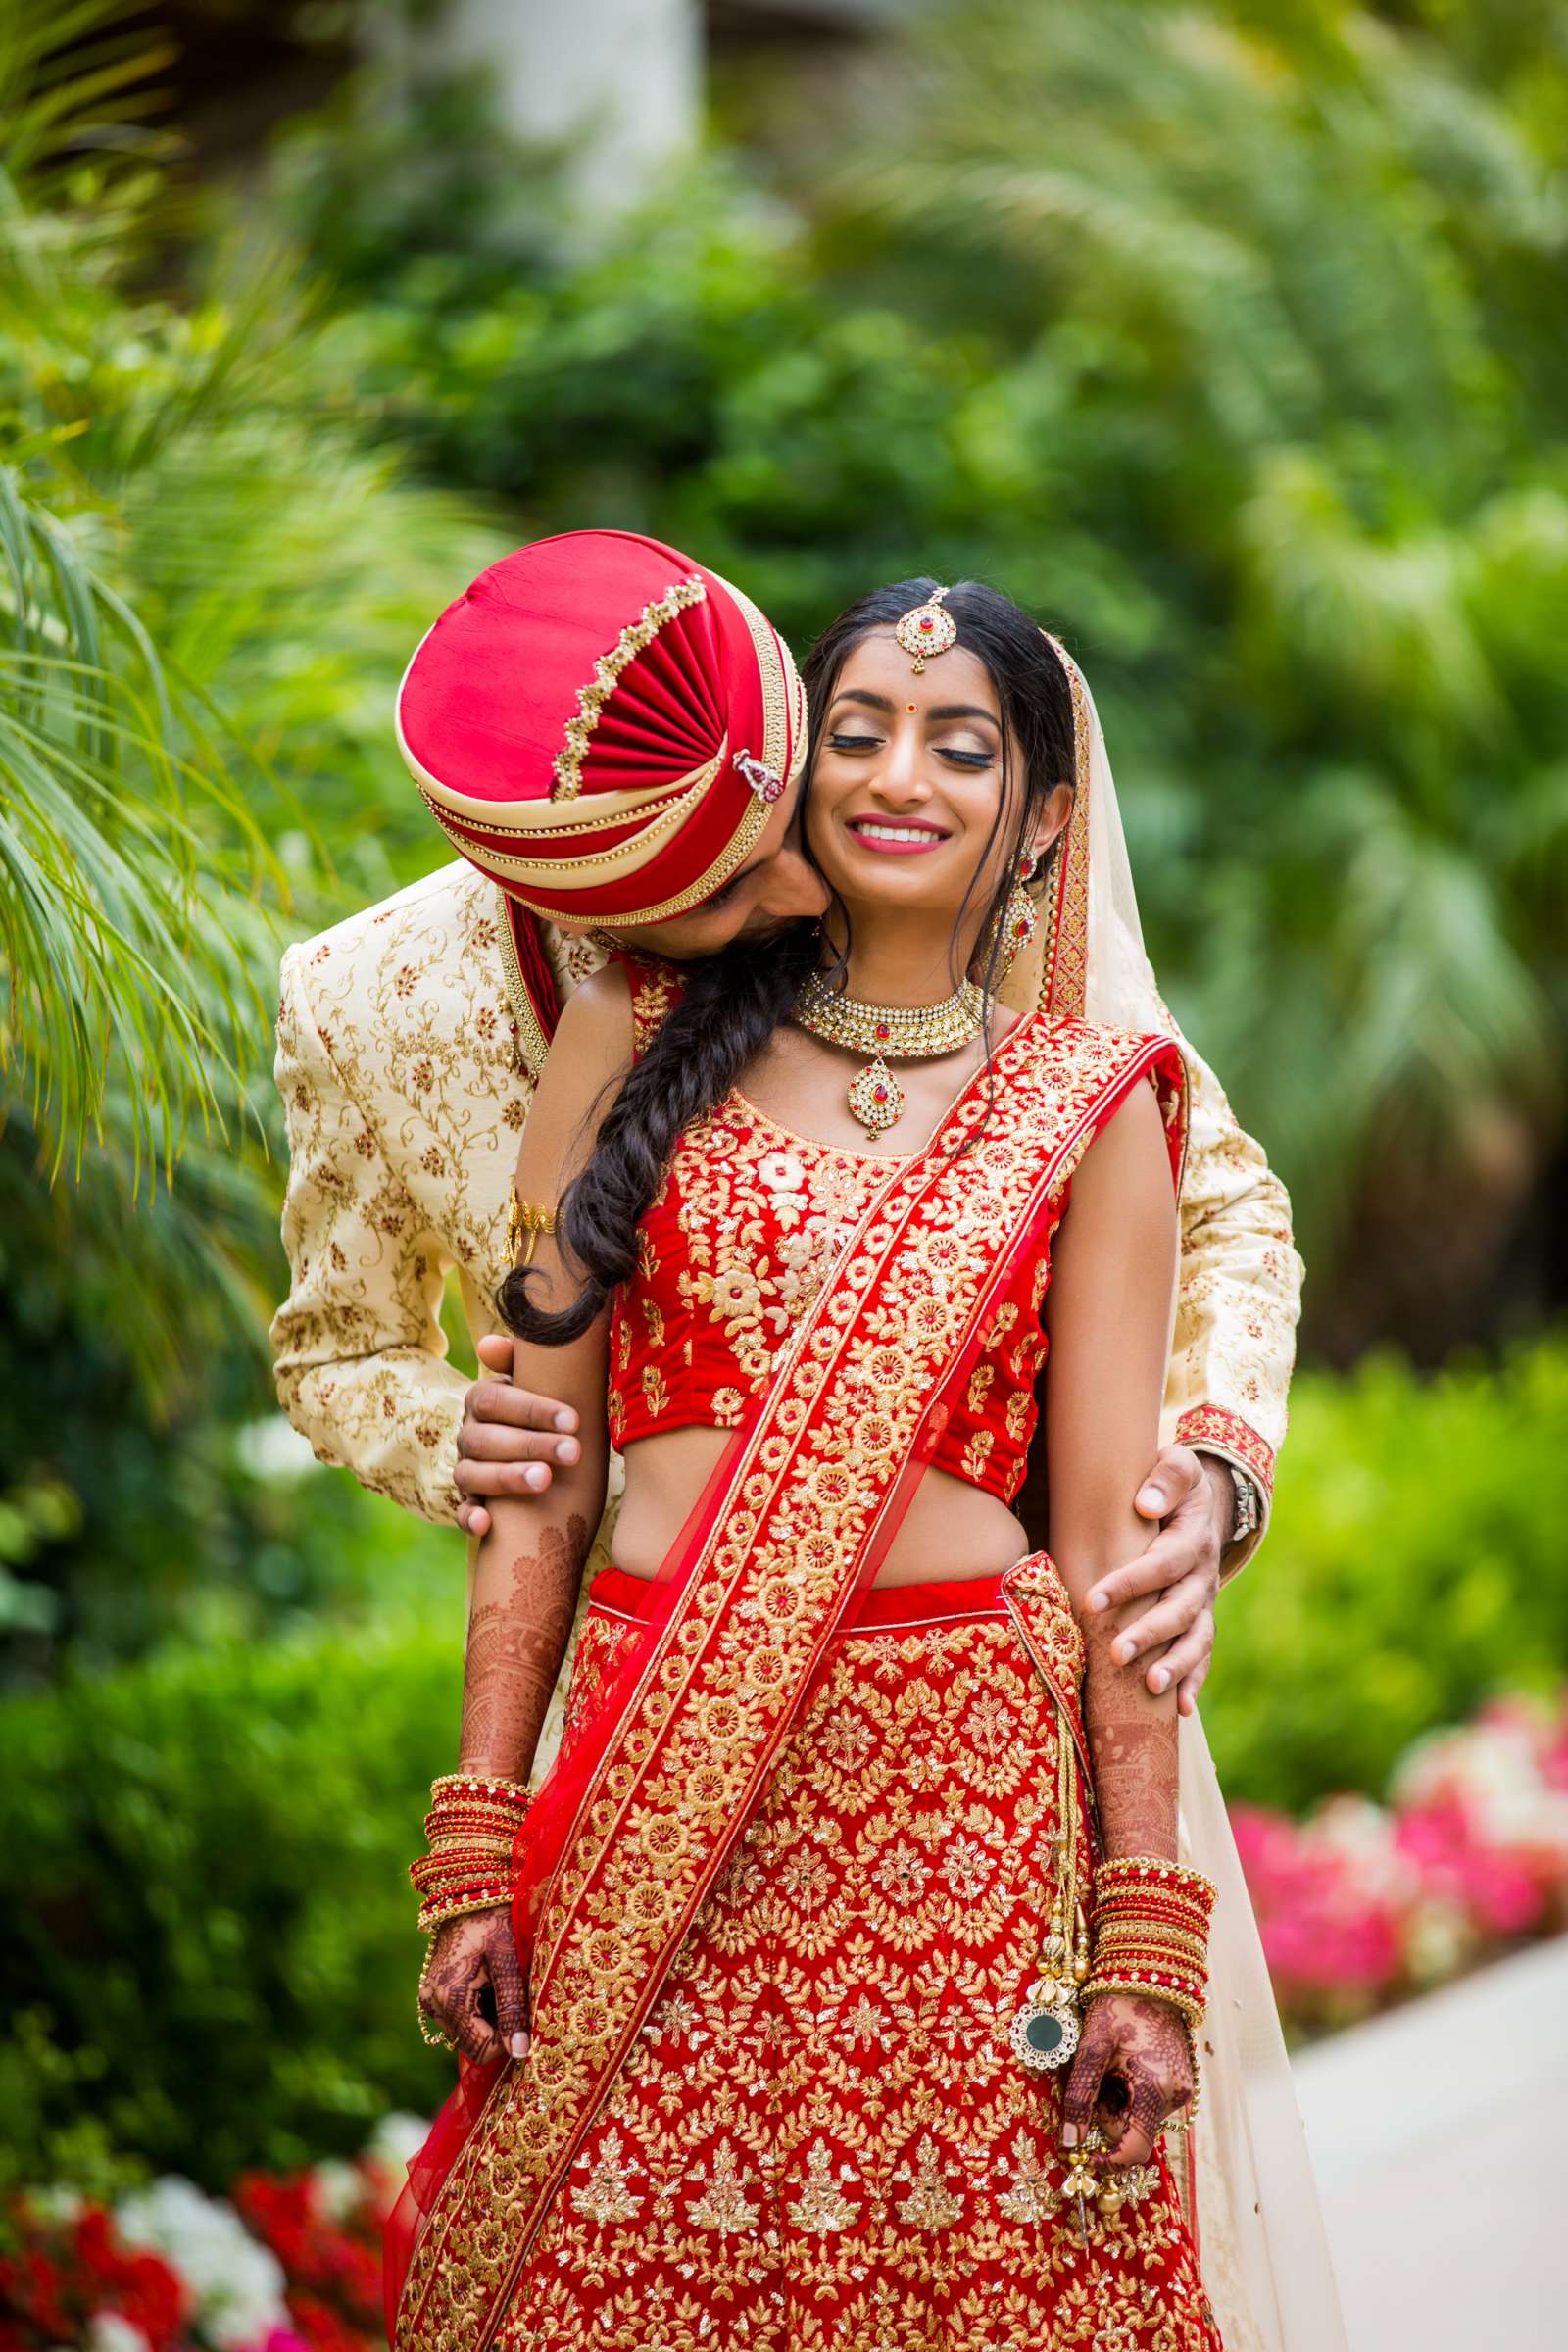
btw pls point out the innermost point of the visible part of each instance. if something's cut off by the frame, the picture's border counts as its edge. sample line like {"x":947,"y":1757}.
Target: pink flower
{"x":1363,"y":1901}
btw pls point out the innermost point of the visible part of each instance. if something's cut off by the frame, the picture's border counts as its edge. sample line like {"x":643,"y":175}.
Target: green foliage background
{"x":1227,"y":339}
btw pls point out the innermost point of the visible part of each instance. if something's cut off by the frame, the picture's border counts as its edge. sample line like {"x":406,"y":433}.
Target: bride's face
{"x":909,"y":781}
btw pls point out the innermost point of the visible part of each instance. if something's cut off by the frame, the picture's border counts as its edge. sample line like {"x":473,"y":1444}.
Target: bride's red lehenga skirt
{"x":822,"y":2137}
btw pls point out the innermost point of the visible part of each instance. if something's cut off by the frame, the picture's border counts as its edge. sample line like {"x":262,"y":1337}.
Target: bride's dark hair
{"x":732,"y":1002}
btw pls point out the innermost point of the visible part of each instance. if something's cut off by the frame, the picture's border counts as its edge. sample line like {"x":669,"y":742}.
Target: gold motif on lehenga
{"x":822,"y":2208}
{"x":608,"y":2195}
{"x":930,"y":2203}
{"x":1032,"y":2199}
{"x":724,"y":2205}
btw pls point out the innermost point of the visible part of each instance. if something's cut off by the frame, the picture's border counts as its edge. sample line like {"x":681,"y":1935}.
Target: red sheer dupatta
{"x":664,"y":1765}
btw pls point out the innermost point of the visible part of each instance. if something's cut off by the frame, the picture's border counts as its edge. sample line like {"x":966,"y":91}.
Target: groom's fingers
{"x":1188,"y":1540}
{"x":1175,"y":1553}
{"x":482,"y":1440}
{"x":1187,"y":1695}
{"x":511,"y":1439}
{"x":1176,"y":1476}
{"x":1173,"y":1615}
{"x":504,"y":1406}
{"x":1186,"y":1658}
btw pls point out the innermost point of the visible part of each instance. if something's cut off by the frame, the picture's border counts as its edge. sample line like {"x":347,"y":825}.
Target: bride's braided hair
{"x":733,"y":1001}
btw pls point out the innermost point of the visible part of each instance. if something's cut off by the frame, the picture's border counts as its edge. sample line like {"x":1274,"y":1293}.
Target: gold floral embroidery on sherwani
{"x":815,"y":1481}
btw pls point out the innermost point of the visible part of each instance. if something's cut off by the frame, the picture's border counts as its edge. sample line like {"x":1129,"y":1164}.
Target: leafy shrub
{"x":203,"y":1861}
{"x":1415,"y":1566}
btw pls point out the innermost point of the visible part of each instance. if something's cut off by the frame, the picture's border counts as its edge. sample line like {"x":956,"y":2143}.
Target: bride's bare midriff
{"x":949,"y":1530}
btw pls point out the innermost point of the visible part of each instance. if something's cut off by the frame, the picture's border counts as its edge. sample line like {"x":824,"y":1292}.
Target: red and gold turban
{"x":603,"y":726}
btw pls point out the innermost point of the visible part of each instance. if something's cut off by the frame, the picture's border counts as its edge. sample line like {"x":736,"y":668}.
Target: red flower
{"x":336,"y":2267}
{"x":67,"y":2270}
{"x":321,"y":2328}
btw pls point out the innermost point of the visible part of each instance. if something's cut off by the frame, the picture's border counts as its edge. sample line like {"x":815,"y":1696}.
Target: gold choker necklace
{"x":889,"y":1033}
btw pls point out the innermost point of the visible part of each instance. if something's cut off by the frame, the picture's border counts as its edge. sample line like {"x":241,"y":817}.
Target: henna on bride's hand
{"x":471,"y":1957}
{"x":1140,"y":2047}
{"x":1133,"y":1750}
{"x":516,"y":1646}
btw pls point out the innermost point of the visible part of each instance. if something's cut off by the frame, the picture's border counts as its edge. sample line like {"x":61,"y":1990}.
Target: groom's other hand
{"x":1194,"y":1498}
{"x":510,"y":1438}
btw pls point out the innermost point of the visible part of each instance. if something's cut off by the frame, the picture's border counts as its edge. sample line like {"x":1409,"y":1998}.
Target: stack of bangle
{"x":471,"y":1828}
{"x":1151,"y":1930}
{"x":1150,"y":1923}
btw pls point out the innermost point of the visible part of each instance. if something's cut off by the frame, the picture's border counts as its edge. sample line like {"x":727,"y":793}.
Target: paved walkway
{"x":1438,"y":2134}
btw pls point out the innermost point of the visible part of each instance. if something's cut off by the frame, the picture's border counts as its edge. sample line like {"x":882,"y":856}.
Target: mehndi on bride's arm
{"x":528,"y":1567}
{"x":1107,"y":1317}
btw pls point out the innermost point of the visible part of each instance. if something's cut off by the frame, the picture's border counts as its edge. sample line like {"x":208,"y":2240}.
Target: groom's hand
{"x":1194,"y":1498}
{"x":509,"y":1438}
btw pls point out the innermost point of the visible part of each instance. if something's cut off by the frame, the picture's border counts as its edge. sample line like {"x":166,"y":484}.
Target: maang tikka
{"x":926,"y":630}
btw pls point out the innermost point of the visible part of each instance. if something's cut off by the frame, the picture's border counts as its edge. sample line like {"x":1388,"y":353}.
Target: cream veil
{"x":1261,"y":2246}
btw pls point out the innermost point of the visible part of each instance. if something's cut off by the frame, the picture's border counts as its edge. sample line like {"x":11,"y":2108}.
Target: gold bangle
{"x":1133,"y":1870}
{"x":461,"y":1798}
{"x":1179,"y":1940}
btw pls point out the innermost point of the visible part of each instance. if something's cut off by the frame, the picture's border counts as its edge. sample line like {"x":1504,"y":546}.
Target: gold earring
{"x":1017,"y":924}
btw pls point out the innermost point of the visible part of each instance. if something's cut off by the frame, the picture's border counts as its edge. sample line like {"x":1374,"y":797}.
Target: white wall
{"x":620,"y":81}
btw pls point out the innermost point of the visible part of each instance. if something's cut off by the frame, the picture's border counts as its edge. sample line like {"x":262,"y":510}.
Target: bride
{"x":849,"y":1975}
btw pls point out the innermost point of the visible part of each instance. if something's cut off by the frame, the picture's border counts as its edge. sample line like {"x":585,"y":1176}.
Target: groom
{"x":613,"y":738}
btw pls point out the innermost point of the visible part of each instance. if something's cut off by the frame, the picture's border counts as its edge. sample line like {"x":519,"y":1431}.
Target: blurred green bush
{"x":211,"y":1956}
{"x":1417,"y":1564}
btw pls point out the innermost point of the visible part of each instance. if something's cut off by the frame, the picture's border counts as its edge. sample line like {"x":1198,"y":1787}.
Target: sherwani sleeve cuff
{"x":1208,"y":1429}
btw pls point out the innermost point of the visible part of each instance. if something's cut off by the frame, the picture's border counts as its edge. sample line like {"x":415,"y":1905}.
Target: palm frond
{"x":113,"y":895}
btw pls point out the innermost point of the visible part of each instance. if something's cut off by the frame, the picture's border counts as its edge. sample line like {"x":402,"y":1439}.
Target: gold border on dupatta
{"x":1064,"y":971}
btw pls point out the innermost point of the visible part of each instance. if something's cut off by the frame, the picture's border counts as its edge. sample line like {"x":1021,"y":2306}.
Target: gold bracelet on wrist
{"x":473,"y":1785}
{"x":524,"y":1224}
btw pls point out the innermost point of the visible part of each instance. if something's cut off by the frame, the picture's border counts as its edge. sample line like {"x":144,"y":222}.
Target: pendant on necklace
{"x":876,"y":1099}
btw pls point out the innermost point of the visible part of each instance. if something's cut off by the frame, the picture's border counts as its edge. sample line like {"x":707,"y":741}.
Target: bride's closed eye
{"x":943,"y":751}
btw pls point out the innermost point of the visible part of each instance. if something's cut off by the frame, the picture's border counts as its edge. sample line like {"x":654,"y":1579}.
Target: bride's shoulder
{"x":1068,"y":1037}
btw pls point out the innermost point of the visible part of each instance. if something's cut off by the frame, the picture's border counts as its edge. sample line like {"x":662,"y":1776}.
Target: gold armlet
{"x":524,"y":1224}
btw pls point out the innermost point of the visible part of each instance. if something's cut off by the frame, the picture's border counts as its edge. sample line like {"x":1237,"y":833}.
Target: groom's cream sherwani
{"x":407,"y":1054}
